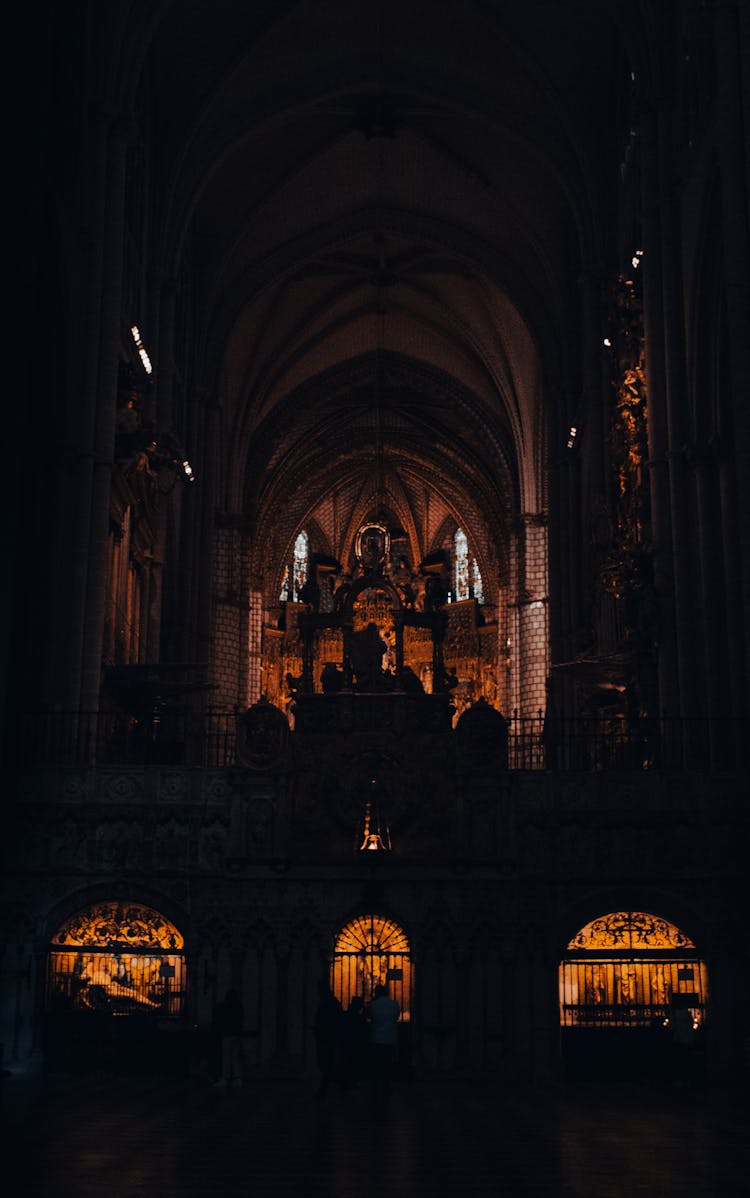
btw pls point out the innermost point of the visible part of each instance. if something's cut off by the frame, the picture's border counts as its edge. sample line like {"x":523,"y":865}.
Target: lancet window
{"x":295,"y":573}
{"x":477,"y":577}
{"x":461,"y":574}
{"x":467,"y":577}
{"x":301,"y":558}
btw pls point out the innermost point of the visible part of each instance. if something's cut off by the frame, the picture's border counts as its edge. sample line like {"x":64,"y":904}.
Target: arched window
{"x":117,"y":958}
{"x":624,"y":970}
{"x":372,"y":950}
{"x":299,"y":568}
{"x":284,"y":593}
{"x":461,"y":565}
{"x":477,"y":579}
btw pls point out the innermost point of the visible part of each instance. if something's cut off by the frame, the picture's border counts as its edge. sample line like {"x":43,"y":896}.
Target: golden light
{"x":118,"y":959}
{"x":624,"y":969}
{"x":372,"y":950}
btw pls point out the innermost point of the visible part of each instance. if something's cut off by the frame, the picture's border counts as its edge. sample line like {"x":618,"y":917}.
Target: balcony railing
{"x":208,"y":739}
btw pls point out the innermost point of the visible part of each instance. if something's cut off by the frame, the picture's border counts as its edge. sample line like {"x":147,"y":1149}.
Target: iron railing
{"x":209,"y":739}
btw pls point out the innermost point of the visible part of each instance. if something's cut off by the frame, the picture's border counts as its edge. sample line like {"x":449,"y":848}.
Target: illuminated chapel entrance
{"x":116,"y":983}
{"x":370,"y":951}
{"x":620,"y":981}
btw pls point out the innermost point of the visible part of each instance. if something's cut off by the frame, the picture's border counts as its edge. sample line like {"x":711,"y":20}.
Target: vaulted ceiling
{"x":387,"y":210}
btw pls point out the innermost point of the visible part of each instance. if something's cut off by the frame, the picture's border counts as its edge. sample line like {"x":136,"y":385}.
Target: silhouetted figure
{"x":328,"y":1020}
{"x":383,"y":1015}
{"x":228,"y":1023}
{"x":683,"y":1040}
{"x":355,"y":1041}
{"x":410,"y":683}
{"x":331,"y":679}
{"x":368,"y":648}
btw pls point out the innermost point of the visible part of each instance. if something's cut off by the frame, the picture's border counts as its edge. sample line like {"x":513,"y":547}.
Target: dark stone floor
{"x":171,"y":1139}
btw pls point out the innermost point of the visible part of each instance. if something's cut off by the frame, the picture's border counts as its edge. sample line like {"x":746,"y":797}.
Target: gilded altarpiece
{"x":470,"y":652}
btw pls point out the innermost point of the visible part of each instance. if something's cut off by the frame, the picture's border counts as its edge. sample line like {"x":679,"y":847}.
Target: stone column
{"x":164,"y":423}
{"x":713,"y":644}
{"x":533,"y":622}
{"x":732,"y":30}
{"x":653,"y":316}
{"x":675,"y":391}
{"x":106,"y":404}
{"x":84,"y":434}
{"x":731,"y":567}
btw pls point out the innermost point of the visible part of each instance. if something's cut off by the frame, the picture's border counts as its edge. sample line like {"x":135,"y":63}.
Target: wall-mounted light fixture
{"x":142,"y":354}
{"x":374,"y":838}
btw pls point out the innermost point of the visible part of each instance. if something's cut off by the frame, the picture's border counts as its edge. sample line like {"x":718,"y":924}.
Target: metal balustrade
{"x":209,"y":739}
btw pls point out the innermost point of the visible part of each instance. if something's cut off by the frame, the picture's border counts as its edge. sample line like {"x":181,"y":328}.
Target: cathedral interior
{"x":378,"y":533}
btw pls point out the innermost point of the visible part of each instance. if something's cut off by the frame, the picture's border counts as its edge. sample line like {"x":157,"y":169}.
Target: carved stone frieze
{"x":120,"y":787}
{"x":173,"y":785}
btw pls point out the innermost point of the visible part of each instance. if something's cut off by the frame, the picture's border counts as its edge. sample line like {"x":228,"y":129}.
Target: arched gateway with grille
{"x":621,"y":981}
{"x":372,"y":950}
{"x":624,"y":970}
{"x":117,"y":958}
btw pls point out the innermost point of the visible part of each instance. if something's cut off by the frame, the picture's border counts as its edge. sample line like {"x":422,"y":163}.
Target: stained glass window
{"x":301,"y":554}
{"x":372,"y":950}
{"x":478,"y":588}
{"x":461,"y":570}
{"x":284,"y":594}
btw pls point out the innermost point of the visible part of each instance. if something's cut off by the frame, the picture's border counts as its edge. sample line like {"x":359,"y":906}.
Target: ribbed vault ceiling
{"x":387,"y":209}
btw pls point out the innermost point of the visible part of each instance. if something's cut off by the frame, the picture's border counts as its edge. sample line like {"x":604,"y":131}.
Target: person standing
{"x":383,"y":1015}
{"x":229,"y":1019}
{"x":354,"y":1045}
{"x":327,"y":1037}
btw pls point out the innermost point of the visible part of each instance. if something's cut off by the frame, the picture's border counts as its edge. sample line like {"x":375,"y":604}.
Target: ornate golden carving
{"x":124,"y":924}
{"x":630,"y":930}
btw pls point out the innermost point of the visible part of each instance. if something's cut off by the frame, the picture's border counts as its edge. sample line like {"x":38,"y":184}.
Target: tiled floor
{"x":165,"y":1139}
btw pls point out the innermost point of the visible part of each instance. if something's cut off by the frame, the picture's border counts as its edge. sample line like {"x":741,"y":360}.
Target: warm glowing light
{"x":625,"y":969}
{"x":370,"y":951}
{"x":572,"y":434}
{"x":117,"y":959}
{"x":607,"y":342}
{"x":630,"y":930}
{"x":188,"y":472}
{"x":126,"y":924}
{"x":374,"y":839}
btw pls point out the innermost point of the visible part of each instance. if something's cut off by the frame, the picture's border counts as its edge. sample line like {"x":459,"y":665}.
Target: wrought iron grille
{"x":372,"y":951}
{"x":209,"y":738}
{"x":116,"y":983}
{"x":628,"y":991}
